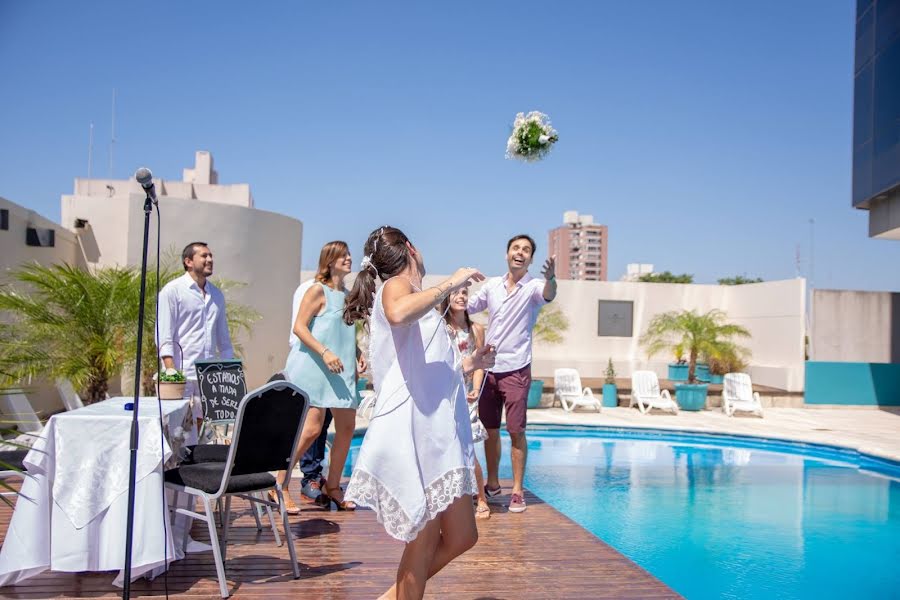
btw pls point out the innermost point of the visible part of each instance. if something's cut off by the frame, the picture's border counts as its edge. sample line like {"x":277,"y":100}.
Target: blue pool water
{"x":726,"y":517}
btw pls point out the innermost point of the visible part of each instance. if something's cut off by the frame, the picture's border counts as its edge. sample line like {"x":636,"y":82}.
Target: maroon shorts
{"x":508,"y":390}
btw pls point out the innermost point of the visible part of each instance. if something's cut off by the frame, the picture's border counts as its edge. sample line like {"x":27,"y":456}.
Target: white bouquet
{"x":532,"y":137}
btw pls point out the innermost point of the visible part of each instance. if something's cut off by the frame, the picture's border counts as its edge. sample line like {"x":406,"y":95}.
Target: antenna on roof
{"x":90,"y":149}
{"x":112,"y":135}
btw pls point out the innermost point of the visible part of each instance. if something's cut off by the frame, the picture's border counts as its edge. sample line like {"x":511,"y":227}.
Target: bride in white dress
{"x":415,"y":466}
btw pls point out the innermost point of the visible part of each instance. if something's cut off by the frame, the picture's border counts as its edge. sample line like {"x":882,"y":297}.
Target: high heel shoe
{"x":289,"y":506}
{"x":340,"y":504}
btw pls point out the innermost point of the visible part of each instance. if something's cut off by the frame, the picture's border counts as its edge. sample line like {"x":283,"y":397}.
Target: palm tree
{"x":550,"y":326}
{"x":697,"y":335}
{"x":81,"y":325}
{"x":69,"y":323}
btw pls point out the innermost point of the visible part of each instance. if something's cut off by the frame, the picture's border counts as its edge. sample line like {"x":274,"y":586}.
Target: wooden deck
{"x":536,"y":554}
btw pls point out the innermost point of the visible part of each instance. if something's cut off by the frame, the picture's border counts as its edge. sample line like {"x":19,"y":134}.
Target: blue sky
{"x":704,"y":134}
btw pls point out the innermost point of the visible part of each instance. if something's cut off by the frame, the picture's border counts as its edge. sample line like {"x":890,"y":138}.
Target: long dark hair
{"x":388,"y":255}
{"x":445,"y":310}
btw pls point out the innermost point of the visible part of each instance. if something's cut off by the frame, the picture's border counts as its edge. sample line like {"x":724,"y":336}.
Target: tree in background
{"x":666,"y":277}
{"x":551,"y":325}
{"x":739,"y":280}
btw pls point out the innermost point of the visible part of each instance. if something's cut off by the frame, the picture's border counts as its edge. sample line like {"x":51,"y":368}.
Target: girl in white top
{"x":466,"y":337}
{"x":415,"y":466}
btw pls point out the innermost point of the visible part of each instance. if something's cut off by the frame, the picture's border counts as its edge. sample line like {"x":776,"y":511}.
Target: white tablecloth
{"x":72,"y":510}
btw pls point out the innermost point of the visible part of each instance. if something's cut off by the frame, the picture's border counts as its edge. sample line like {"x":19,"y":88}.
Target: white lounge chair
{"x":17,"y":411}
{"x":71,"y":399}
{"x":646,"y":394}
{"x":567,"y":386}
{"x":738,"y":394}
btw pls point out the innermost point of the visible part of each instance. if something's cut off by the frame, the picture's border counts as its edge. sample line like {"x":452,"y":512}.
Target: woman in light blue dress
{"x":324,"y":365}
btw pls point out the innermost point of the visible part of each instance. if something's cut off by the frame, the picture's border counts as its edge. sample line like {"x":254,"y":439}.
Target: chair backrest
{"x":645,"y":384}
{"x":279,"y":376}
{"x":221,"y":386}
{"x":738,"y":386}
{"x":71,"y":399}
{"x":267,"y":428}
{"x":567,"y":382}
{"x":17,"y":412}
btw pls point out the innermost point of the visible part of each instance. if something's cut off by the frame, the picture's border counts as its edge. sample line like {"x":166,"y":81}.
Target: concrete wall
{"x":259,"y":248}
{"x":13,"y":250}
{"x":773,"y":312}
{"x":852,"y":383}
{"x":852,"y":326}
{"x":14,"y":253}
{"x":884,"y":217}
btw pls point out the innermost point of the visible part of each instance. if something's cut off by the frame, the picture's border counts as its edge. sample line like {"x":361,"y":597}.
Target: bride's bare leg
{"x":414,"y":565}
{"x":457,"y":533}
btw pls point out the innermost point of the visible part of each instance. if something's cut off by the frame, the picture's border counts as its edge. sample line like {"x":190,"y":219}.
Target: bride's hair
{"x":385,"y":255}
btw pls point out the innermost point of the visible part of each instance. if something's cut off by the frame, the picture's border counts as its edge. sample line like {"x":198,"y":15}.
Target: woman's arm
{"x":313,"y":302}
{"x":403,"y":305}
{"x":478,"y":375}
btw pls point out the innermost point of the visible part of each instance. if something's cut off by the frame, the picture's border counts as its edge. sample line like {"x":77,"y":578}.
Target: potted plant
{"x":727,"y":361}
{"x":170,"y":385}
{"x":698,"y":335}
{"x":678,"y":371}
{"x":535,"y":393}
{"x":610,"y":398}
{"x":702,"y":371}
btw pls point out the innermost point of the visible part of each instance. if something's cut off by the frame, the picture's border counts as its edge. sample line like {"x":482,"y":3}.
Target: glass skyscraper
{"x":876,"y":115}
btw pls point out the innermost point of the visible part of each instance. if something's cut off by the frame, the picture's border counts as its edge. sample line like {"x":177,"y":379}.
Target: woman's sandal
{"x":482,"y":511}
{"x":290,"y":507}
{"x":342,"y":504}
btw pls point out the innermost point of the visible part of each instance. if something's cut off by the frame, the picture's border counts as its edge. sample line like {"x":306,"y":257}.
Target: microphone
{"x":145,"y":178}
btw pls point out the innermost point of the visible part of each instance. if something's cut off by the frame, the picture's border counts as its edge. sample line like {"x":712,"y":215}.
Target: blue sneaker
{"x":311,"y":489}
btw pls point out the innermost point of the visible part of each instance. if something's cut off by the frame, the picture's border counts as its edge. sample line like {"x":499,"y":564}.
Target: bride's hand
{"x":464,"y":277}
{"x":484,"y":357}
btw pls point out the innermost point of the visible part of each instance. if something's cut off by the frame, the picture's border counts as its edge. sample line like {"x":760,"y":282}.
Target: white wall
{"x":13,"y":250}
{"x":13,"y":254}
{"x":774,"y":313}
{"x":852,"y":326}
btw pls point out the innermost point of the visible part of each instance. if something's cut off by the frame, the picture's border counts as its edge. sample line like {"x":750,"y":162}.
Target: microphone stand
{"x":132,"y":469}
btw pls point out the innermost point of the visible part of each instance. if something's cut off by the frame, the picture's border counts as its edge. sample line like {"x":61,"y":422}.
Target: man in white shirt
{"x":513,"y":303}
{"x":192,"y":322}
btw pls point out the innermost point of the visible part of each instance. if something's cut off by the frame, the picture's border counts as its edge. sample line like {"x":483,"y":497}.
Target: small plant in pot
{"x":729,"y":360}
{"x":698,"y":335}
{"x":170,"y":385}
{"x":610,"y":397}
{"x":678,"y":371}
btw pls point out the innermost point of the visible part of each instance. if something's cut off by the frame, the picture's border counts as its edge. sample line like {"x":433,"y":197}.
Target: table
{"x":72,"y":509}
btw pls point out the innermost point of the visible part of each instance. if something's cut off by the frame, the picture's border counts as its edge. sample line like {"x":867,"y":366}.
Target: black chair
{"x":266,"y":430}
{"x":219,"y":452}
{"x":204,"y":453}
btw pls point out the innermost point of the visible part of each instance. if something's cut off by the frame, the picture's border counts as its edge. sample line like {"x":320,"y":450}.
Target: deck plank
{"x":343,"y":555}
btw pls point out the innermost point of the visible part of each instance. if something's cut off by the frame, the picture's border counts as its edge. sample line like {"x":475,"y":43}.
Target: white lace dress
{"x":417,"y":456}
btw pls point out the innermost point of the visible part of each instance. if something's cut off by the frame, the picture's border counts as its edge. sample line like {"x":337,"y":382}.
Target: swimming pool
{"x":726,"y":516}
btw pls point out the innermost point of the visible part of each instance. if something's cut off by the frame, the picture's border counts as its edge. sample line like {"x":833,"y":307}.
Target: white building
{"x":258,"y":248}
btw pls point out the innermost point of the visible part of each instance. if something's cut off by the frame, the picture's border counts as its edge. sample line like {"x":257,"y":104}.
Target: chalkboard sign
{"x":222,"y":388}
